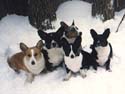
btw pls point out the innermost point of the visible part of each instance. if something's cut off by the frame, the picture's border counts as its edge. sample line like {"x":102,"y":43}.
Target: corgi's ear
{"x":42,"y":34}
{"x":73,"y":23}
{"x":39,"y":44}
{"x":77,"y":41}
{"x":93,"y":33}
{"x":106,"y":33}
{"x":80,"y":33}
{"x":23,"y":47}
{"x":63,"y":24}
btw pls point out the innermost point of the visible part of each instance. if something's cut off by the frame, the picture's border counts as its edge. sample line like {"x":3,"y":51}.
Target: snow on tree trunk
{"x":103,"y":8}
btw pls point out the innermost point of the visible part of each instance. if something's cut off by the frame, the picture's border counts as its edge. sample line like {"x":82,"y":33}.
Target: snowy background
{"x":15,"y":29}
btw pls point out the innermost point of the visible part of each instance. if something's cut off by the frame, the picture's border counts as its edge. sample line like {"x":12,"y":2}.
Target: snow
{"x":15,"y":29}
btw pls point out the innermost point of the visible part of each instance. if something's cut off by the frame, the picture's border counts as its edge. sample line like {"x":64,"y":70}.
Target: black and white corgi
{"x":52,"y":50}
{"x":75,"y":59}
{"x":101,"y":48}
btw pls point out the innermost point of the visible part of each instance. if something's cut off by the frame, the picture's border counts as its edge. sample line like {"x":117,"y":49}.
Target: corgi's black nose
{"x":54,"y":44}
{"x":33,"y":63}
{"x":72,"y":56}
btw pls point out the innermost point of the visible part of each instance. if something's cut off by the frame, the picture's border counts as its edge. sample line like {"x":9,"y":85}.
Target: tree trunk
{"x":119,"y":5}
{"x":3,"y":10}
{"x":19,"y":7}
{"x":43,"y":12}
{"x":103,"y":8}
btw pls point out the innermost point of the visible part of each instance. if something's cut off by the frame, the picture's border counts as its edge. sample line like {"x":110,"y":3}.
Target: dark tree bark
{"x":19,"y":7}
{"x":103,"y":8}
{"x":43,"y":12}
{"x":3,"y":10}
{"x":119,"y":5}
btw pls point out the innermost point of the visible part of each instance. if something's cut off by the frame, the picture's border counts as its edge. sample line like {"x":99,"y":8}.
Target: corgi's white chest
{"x":74,"y":64}
{"x":102,"y":54}
{"x":37,"y":67}
{"x":55,"y":55}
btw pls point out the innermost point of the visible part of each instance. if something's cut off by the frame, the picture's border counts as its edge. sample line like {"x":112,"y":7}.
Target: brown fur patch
{"x":72,"y":34}
{"x":16,"y":62}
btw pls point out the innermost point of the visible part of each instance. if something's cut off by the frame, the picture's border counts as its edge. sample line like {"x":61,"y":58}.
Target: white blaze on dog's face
{"x":33,"y":58}
{"x":73,"y":57}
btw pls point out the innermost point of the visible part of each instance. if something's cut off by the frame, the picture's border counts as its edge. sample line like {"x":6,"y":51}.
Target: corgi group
{"x":63,"y":48}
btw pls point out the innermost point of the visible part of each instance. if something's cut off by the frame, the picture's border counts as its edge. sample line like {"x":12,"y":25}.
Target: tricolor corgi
{"x":71,"y":32}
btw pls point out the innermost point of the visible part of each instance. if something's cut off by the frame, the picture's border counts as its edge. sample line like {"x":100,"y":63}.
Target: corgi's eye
{"x":29,"y":55}
{"x":35,"y":54}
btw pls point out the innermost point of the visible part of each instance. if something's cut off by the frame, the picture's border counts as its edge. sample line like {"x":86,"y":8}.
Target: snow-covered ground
{"x":15,"y":29}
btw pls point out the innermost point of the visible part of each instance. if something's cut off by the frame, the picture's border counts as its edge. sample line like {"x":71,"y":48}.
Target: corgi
{"x":76,"y":60}
{"x":101,"y":49}
{"x":30,"y":60}
{"x":52,"y":50}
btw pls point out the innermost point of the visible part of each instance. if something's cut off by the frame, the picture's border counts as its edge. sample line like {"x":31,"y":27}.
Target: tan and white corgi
{"x":30,"y":60}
